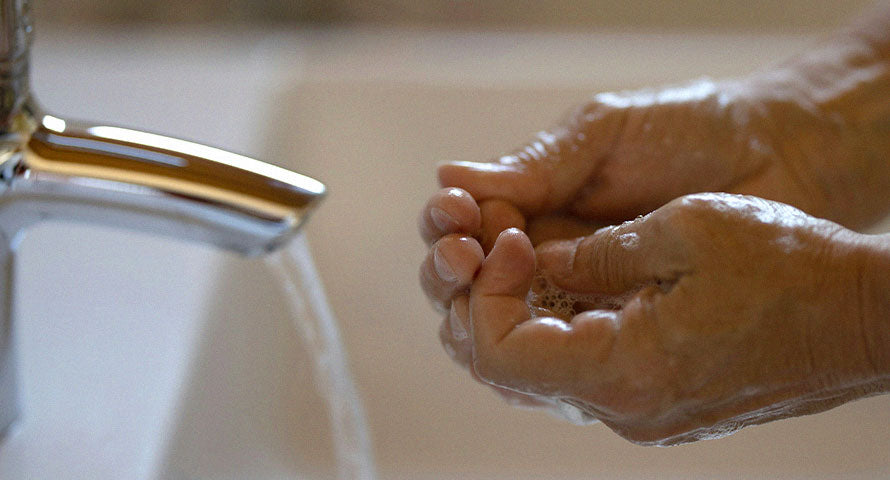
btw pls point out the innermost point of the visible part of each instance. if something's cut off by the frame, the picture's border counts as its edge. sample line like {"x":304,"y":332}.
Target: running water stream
{"x":317,"y":327}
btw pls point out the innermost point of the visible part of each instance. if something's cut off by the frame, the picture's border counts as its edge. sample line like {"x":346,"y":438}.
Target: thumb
{"x":614,"y":260}
{"x":542,"y":176}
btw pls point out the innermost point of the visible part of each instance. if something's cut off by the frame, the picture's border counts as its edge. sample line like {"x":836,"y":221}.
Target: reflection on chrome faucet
{"x":53,"y":168}
{"x":150,"y":182}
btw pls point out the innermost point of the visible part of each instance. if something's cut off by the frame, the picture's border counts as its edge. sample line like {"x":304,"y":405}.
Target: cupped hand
{"x":625,"y":154}
{"x":736,"y":311}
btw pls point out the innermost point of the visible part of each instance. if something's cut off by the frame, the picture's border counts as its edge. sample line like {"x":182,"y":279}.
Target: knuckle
{"x":688,"y":213}
{"x":601,"y":259}
{"x":696,"y":204}
{"x":723,"y":209}
{"x":607,"y":103}
{"x":601,"y":120}
{"x":604,"y":109}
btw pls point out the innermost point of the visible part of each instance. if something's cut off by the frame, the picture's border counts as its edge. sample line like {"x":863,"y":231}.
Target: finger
{"x":454,"y":337}
{"x":614,"y":260}
{"x":450,"y":210}
{"x":497,"y":216}
{"x":455,"y":341}
{"x":558,"y":227}
{"x":459,"y":318}
{"x":460,"y":348}
{"x":498,"y":309}
{"x":542,"y":176}
{"x":449,"y":268}
{"x":597,"y":329}
{"x":542,"y":355}
{"x":498,"y":305}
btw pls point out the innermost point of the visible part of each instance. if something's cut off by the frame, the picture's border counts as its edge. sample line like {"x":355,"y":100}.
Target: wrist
{"x":830,"y":107}
{"x":845,"y":78}
{"x":870,"y":257}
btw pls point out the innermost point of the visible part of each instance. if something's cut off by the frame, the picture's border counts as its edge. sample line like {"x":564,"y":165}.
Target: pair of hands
{"x":734,"y":310}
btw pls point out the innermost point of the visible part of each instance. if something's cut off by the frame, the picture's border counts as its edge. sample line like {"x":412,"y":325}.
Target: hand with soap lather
{"x":735,"y":309}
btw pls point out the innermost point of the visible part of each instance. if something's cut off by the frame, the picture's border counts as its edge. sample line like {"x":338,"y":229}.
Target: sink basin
{"x":192,"y":370}
{"x":139,"y":358}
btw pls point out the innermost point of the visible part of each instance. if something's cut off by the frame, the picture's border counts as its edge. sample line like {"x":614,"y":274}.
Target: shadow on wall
{"x":646,"y":14}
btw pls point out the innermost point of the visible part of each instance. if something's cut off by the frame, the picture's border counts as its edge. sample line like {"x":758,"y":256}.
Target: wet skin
{"x":737,"y":308}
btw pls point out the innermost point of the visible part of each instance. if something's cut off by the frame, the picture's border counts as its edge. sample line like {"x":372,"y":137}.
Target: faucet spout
{"x":132,"y":179}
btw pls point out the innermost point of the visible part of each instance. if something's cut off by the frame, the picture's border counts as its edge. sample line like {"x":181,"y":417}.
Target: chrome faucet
{"x":54,"y":168}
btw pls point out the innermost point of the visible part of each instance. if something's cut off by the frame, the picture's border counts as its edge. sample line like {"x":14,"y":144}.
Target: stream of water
{"x":317,"y":327}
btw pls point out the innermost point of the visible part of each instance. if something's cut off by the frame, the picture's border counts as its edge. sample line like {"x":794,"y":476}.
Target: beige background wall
{"x":201,"y":340}
{"x":669,"y":14}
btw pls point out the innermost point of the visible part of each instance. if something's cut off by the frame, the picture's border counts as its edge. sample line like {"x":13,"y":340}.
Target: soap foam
{"x":547,"y":300}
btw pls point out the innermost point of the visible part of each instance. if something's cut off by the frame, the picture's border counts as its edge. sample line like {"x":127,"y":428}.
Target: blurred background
{"x":577,"y":14}
{"x":148,"y":358}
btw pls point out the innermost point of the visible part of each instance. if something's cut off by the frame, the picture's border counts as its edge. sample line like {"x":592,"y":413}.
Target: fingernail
{"x":457,"y":328}
{"x":459,"y":310}
{"x":443,"y":220}
{"x":443,"y":267}
{"x":507,"y":232}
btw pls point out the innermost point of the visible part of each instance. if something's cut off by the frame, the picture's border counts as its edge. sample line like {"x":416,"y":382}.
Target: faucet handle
{"x":15,"y":42}
{"x":15,"y":39}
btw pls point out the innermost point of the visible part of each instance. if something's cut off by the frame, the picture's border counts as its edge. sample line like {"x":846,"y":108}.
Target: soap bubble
{"x":547,"y":300}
